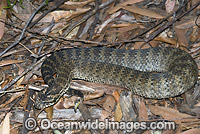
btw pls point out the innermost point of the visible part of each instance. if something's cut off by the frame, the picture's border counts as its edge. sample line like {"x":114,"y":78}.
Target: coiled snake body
{"x":152,"y":73}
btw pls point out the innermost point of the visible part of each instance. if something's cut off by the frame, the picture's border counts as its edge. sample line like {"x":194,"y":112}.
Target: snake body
{"x":157,"y":73}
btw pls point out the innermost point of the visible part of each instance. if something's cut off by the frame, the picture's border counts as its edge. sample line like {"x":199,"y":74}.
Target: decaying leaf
{"x":5,"y":125}
{"x":8,"y":62}
{"x":144,"y":12}
{"x":171,"y":114}
{"x":3,"y":13}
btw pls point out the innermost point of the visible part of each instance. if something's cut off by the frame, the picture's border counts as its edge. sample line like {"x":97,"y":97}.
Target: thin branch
{"x":85,"y":18}
{"x":146,"y":31}
{"x":24,"y":29}
{"x":58,"y":4}
{"x":22,"y":74}
{"x":160,"y":30}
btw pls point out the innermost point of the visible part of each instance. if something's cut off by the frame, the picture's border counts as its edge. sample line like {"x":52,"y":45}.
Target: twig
{"x":31,"y":92}
{"x":27,"y":110}
{"x":12,"y":91}
{"x":85,"y":18}
{"x":146,"y":31}
{"x":58,"y":4}
{"x":11,"y":108}
{"x":96,"y":19}
{"x":43,"y":42}
{"x":24,"y":29}
{"x":160,"y":30}
{"x":22,"y":74}
{"x":86,"y":115}
{"x":60,"y":38}
{"x":30,"y":95}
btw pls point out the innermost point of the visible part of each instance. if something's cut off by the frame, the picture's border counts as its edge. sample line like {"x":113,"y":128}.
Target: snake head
{"x":45,"y":99}
{"x":44,"y":102}
{"x":39,"y":104}
{"x":51,"y":95}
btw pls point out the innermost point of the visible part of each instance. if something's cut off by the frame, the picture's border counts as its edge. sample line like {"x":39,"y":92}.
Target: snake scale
{"x":157,"y":73}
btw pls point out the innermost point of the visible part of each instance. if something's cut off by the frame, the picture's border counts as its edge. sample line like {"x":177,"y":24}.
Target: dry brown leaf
{"x":21,"y":69}
{"x":8,"y":62}
{"x":78,"y":12}
{"x":109,"y":103}
{"x":198,"y":104}
{"x":49,"y":111}
{"x":169,"y":5}
{"x":66,"y":102}
{"x":118,"y":113}
{"x":128,"y":28}
{"x":122,"y":25}
{"x":5,"y":126}
{"x":25,"y":17}
{"x":108,"y":106}
{"x":144,"y":12}
{"x":3,"y":13}
{"x":23,"y":103}
{"x":181,"y":36}
{"x":137,"y":45}
{"x":14,"y":129}
{"x":75,"y":4}
{"x":58,"y":15}
{"x":2,"y":76}
{"x":116,"y":96}
{"x":167,"y":40}
{"x":119,"y":6}
{"x":69,"y":102}
{"x":13,"y":97}
{"x":170,"y":114}
{"x":107,"y":22}
{"x":154,"y":43}
{"x":6,"y":80}
{"x":19,"y":82}
{"x":143,"y":115}
{"x":195,"y":35}
{"x":192,"y":131}
{"x":93,"y":95}
{"x":60,"y":104}
{"x":188,"y":24}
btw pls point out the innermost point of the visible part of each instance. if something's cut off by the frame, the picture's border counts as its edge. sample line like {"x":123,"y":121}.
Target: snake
{"x":157,"y":73}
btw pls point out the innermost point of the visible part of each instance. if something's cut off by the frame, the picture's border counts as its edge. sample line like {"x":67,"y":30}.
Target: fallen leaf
{"x":49,"y":111}
{"x":8,"y":62}
{"x":66,"y":102}
{"x":119,"y":6}
{"x":171,"y":114}
{"x":116,"y":96}
{"x":166,"y":39}
{"x":118,"y":113}
{"x":143,"y":114}
{"x":192,"y":131}
{"x":181,"y":36}
{"x":3,"y":13}
{"x":13,"y":97}
{"x":142,"y":11}
{"x":108,"y":107}
{"x":188,"y":24}
{"x":126,"y":28}
{"x":169,"y":5}
{"x":75,"y":4}
{"x":5,"y":126}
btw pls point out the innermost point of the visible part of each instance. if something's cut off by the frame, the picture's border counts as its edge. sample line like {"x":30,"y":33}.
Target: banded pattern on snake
{"x":152,"y":73}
